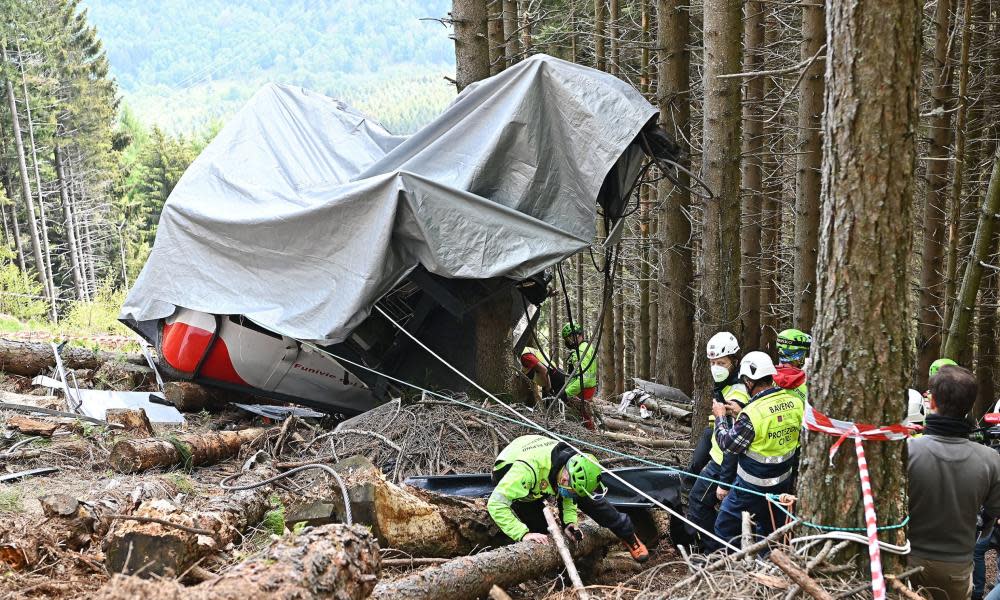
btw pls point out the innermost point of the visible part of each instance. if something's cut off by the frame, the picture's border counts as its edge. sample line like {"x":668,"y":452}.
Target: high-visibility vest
{"x":737,"y":393}
{"x":582,"y":357}
{"x":776,"y":416}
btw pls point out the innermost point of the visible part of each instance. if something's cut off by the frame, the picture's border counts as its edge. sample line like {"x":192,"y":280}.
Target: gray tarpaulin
{"x":302,"y":212}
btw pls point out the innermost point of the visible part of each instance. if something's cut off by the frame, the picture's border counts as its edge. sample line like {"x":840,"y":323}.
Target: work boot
{"x":589,"y":424}
{"x":637,"y":549}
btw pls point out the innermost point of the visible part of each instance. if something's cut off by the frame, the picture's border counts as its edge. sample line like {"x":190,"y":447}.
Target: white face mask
{"x":719,"y":373}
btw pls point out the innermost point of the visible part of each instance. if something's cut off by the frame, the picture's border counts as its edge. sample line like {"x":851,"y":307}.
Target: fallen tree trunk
{"x":192,"y":450}
{"x":471,"y":577}
{"x":335,"y":561}
{"x":663,"y":392}
{"x":648,"y":442}
{"x":151,"y":548}
{"x":30,"y":359}
{"x":416,"y":521}
{"x":187,"y":396}
{"x":616,"y":424}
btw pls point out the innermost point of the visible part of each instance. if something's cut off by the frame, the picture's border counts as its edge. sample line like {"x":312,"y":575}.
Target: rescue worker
{"x":722,"y":352}
{"x":544,"y":375}
{"x":765,"y":438}
{"x":793,"y":349}
{"x":581,"y":382}
{"x":533,"y":468}
{"x":941,"y":362}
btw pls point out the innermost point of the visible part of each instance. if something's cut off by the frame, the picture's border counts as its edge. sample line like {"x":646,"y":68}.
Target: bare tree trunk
{"x":809,"y":162}
{"x":73,"y":186}
{"x":614,"y":64}
{"x":16,"y":227}
{"x":512,"y":43}
{"x":864,"y":349}
{"x":29,"y":203}
{"x":554,"y":329}
{"x":70,"y":229}
{"x":578,"y":261}
{"x":600,"y":21}
{"x":50,"y":283}
{"x":91,"y":258}
{"x":496,"y":39}
{"x":955,"y":218}
{"x":931,"y":300}
{"x":719,"y":297}
{"x":526,"y":22}
{"x":643,"y":338}
{"x":965,"y":304}
{"x":675,"y":331}
{"x":771,"y":205}
{"x":753,"y":146}
{"x":472,"y":52}
{"x":986,"y":349}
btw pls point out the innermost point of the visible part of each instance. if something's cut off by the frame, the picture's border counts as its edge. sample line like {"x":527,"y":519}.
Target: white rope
{"x":527,"y":420}
{"x":855,"y":537}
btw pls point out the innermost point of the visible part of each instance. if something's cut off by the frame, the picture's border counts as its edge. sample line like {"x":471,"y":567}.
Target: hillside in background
{"x":185,"y":63}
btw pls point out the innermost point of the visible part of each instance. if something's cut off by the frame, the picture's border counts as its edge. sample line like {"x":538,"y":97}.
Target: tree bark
{"x":771,"y":205}
{"x":70,"y":229}
{"x":133,"y":420}
{"x":335,"y":561}
{"x":494,"y":344}
{"x":863,"y":352}
{"x":614,"y":13}
{"x":191,"y":397}
{"x":153,"y":549}
{"x":600,"y":23}
{"x":753,"y":176}
{"x":30,"y":359}
{"x":470,"y":577}
{"x":15,"y":225}
{"x":512,"y":42}
{"x":958,"y":172}
{"x":936,"y":174}
{"x":719,"y":296}
{"x":472,"y":52}
{"x":675,"y":277}
{"x":808,"y":176}
{"x":29,"y":203}
{"x":986,"y":349}
{"x":494,"y":29}
{"x":201,"y":449}
{"x":958,"y":330}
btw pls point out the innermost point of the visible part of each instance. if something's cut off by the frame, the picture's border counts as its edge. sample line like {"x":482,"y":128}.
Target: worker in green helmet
{"x":941,"y":362}
{"x":533,"y":468}
{"x":581,"y":378}
{"x":793,"y":350}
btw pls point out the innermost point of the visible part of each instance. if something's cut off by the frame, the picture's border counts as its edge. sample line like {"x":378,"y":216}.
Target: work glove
{"x":573,"y":532}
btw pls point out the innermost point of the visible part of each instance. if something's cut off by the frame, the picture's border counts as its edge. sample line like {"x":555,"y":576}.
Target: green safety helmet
{"x":941,"y":362}
{"x":584,"y":472}
{"x":570,"y":328}
{"x":793,"y":345}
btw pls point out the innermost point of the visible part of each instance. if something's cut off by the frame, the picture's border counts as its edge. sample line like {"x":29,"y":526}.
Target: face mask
{"x":565,"y":493}
{"x":719,"y":373}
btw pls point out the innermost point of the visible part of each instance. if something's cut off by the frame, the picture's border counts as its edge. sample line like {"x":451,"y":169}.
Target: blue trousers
{"x":979,"y":568}
{"x":702,"y":505}
{"x":729,"y":524}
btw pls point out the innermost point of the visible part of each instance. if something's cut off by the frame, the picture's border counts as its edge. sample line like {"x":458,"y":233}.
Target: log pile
{"x":30,"y":359}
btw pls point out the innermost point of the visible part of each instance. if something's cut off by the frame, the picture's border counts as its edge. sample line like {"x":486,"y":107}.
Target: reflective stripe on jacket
{"x":583,"y":356}
{"x":776,"y":416}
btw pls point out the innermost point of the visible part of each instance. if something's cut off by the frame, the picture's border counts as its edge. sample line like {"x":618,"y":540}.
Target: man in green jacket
{"x":581,"y":381}
{"x":535,"y":467}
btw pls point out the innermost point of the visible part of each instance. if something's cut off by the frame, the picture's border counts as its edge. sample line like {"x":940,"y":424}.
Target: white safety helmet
{"x":722,"y":344}
{"x":914,"y":406}
{"x":757,"y":365}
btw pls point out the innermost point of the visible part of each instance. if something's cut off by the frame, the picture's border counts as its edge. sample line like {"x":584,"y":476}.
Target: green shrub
{"x":21,"y":296}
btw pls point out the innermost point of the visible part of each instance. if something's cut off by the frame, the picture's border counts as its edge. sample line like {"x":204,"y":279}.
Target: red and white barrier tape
{"x":871,"y":525}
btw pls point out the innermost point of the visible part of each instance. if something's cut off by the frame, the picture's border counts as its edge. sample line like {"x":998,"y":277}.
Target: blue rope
{"x":772,"y":498}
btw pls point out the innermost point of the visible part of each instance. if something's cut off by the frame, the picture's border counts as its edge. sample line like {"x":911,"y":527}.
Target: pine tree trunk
{"x":580,"y":314}
{"x":15,"y":225}
{"x":606,"y":320}
{"x":29,"y":203}
{"x":958,"y":330}
{"x":958,"y":171}
{"x":936,"y":173}
{"x":91,"y":257}
{"x":719,"y":296}
{"x":643,"y":338}
{"x":70,"y":229}
{"x":986,"y":349}
{"x":525,"y":20}
{"x":809,"y":162}
{"x":614,"y":64}
{"x":771,"y":206}
{"x":600,"y":22}
{"x":512,"y":43}
{"x":555,"y":328}
{"x":472,"y":51}
{"x":494,"y":29}
{"x":753,"y":146}
{"x":675,"y":328}
{"x":863,"y":354}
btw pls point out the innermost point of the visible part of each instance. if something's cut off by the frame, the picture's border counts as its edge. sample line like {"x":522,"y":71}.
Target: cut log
{"x":30,"y":359}
{"x":118,"y":375}
{"x":150,"y":548}
{"x":648,"y":442}
{"x":133,"y":420}
{"x":29,"y":426}
{"x":470,"y":577}
{"x":191,"y":397}
{"x":416,"y":521}
{"x":192,"y":450}
{"x":616,"y":424}
{"x":798,"y":575}
{"x":332,"y":561}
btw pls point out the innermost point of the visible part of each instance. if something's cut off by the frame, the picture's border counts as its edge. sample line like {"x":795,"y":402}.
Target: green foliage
{"x":11,"y":501}
{"x":182,"y":482}
{"x":274,"y":520}
{"x":99,"y":315}
{"x":20,"y":294}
